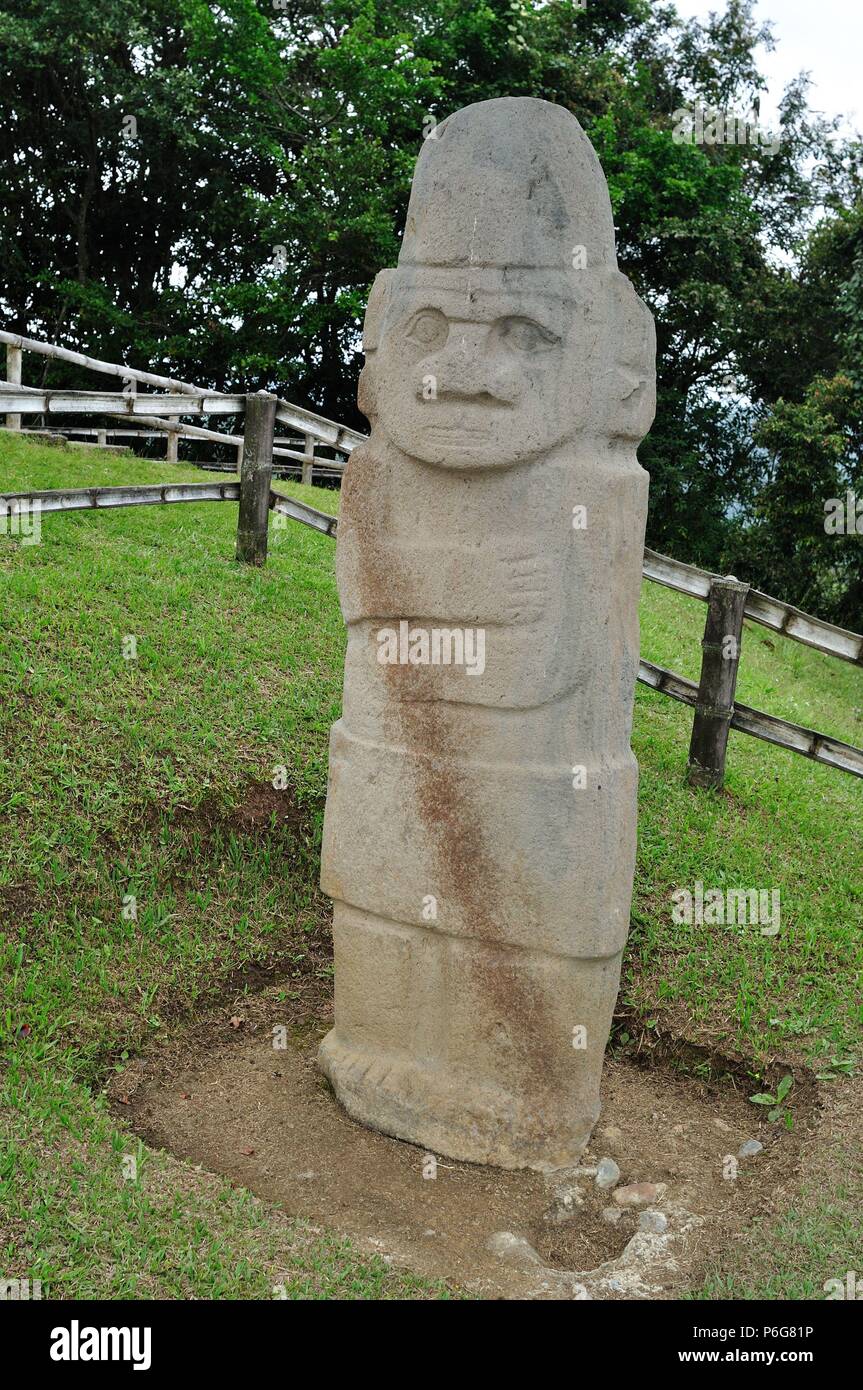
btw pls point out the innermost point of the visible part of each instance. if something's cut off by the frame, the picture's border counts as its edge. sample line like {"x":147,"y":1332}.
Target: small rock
{"x":612,"y":1215}
{"x":750,"y":1148}
{"x":720,"y":1124}
{"x":567,"y":1201}
{"x":607,"y":1174}
{"x":638,"y":1194}
{"x":515,"y":1249}
{"x":655,"y":1221}
{"x":569,"y":1193}
{"x":612,"y":1134}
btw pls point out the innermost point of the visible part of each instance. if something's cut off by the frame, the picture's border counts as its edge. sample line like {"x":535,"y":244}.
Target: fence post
{"x":720,"y":646}
{"x":173,"y":440}
{"x":101,"y":437}
{"x":308,"y":458}
{"x":13,"y":374}
{"x":256,"y":476}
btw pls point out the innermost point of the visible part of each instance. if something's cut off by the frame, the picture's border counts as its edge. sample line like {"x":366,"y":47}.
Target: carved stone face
{"x":476,"y":371}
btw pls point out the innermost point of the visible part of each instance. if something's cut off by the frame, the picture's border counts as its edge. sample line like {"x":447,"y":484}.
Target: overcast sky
{"x":824,"y":37}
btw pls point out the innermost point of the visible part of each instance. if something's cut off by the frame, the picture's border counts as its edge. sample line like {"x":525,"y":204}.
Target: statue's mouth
{"x":459,"y":431}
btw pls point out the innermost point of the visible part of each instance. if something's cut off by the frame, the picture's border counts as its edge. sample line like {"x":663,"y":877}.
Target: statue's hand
{"x":526,"y":581}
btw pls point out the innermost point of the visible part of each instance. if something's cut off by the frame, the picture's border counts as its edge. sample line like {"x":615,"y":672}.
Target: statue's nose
{"x":462,"y":368}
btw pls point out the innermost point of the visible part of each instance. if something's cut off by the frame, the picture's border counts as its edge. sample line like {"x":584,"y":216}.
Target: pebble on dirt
{"x":655,"y":1221}
{"x":750,"y":1148}
{"x":638,"y":1194}
{"x":607,"y":1174}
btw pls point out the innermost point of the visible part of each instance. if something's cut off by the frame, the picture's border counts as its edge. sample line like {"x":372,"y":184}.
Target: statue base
{"x":474,"y":1051}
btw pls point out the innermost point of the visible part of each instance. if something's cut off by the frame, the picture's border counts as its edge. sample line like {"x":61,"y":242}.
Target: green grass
{"x":791,"y":1258}
{"x":783,"y":823}
{"x":121,"y":776}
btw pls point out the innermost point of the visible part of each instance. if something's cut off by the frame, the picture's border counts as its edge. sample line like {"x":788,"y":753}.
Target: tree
{"x":232,"y":238}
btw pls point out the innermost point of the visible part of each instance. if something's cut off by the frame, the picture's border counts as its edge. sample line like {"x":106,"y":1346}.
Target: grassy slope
{"x":120,"y":776}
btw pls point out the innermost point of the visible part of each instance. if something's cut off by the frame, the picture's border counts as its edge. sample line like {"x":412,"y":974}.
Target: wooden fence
{"x":729,"y":602}
{"x":162,"y":414}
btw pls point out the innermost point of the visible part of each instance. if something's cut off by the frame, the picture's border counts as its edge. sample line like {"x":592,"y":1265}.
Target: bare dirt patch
{"x":221,"y":1095}
{"x":16,"y":903}
{"x":262,"y":810}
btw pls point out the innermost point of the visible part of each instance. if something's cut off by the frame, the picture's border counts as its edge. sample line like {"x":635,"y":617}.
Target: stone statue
{"x":479,"y":837}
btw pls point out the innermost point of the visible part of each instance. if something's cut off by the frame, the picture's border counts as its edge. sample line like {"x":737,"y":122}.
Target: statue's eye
{"x":523,"y":335}
{"x":428,"y":328}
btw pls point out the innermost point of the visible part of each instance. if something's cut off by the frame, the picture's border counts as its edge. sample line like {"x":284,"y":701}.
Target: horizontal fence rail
{"x":159,"y":430}
{"x":761,"y":608}
{"x":68,"y":430}
{"x":97,"y":498}
{"x":308,"y":422}
{"x":219,"y":437}
{"x":821,"y":748}
{"x":148,"y":408}
{"x":300,"y":511}
{"x":339,"y":436}
{"x":281,"y":469}
{"x":117,"y":404}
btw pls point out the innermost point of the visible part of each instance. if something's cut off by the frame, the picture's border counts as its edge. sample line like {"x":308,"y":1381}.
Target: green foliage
{"x":814,"y":448}
{"x":777,"y":1103}
{"x":233,"y":238}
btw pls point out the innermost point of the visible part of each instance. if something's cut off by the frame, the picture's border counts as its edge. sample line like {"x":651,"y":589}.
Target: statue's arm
{"x":449,"y":583}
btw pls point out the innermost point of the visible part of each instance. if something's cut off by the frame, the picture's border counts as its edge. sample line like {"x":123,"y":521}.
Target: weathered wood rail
{"x":82,"y":499}
{"x":301,"y":511}
{"x":761,"y":608}
{"x":117,"y":403}
{"x":181,"y":398}
{"x":821,"y":748}
{"x":729,"y":601}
